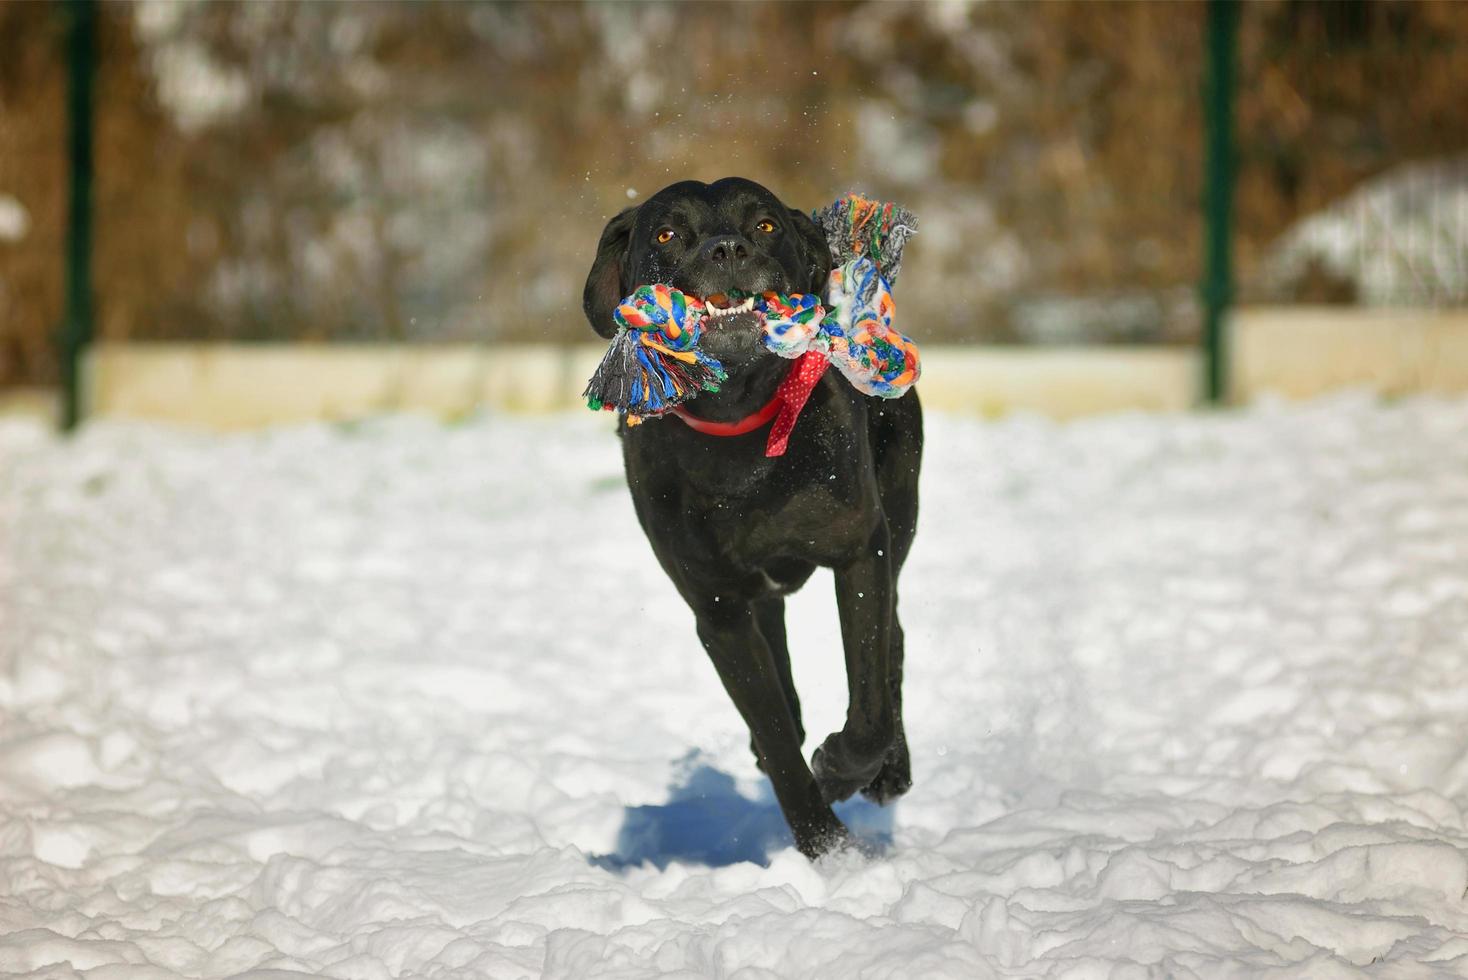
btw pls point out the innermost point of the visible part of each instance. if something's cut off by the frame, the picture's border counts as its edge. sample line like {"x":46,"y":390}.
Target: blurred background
{"x":437,"y":174}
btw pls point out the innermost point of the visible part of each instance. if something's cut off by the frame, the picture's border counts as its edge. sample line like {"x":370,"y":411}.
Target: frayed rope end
{"x":857,"y":227}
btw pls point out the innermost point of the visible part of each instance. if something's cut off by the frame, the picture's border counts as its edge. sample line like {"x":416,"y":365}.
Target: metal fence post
{"x":1217,"y":286}
{"x":76,"y":330}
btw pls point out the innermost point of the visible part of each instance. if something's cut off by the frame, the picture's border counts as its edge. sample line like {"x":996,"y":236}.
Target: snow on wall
{"x":397,"y":699}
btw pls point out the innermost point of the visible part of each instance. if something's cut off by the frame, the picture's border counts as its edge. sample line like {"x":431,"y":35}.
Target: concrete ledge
{"x":1062,"y":382}
{"x":1295,"y":352}
{"x":1304,"y":351}
{"x":35,"y":402}
{"x":231,"y":386}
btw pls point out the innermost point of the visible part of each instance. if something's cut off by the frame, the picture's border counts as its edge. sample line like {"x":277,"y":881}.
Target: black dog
{"x":736,"y":531}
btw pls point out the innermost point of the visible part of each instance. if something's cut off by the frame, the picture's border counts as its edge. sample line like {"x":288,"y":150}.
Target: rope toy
{"x":654,"y":364}
{"x":856,"y":334}
{"x":857,"y":227}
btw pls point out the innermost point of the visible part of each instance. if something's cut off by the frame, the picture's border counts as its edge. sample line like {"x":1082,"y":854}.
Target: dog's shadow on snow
{"x":708,"y":821}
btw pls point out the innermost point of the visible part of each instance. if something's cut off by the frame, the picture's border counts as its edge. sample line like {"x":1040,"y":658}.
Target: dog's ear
{"x":604,"y":286}
{"x":817,"y":253}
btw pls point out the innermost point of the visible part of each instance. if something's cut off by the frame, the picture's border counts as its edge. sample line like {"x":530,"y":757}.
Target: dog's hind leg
{"x":746,"y":665}
{"x":769,"y":614}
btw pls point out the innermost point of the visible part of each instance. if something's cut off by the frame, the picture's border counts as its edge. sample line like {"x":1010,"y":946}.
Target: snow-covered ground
{"x":1187,"y":695}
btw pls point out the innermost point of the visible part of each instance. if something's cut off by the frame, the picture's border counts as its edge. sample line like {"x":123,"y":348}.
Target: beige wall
{"x":1304,"y":351}
{"x":1296,"y":352}
{"x":238,"y":386}
{"x":242,"y":386}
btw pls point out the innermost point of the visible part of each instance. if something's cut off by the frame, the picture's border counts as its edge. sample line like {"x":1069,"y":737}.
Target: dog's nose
{"x":730,"y":251}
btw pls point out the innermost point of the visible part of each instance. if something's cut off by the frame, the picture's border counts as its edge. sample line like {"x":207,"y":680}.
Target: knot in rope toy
{"x":654,"y":364}
{"x":855,"y":334}
{"x":792,"y":323}
{"x":655,"y":361}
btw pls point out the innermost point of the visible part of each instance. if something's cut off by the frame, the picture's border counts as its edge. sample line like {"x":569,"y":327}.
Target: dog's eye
{"x":666,"y":235}
{"x":767,"y":226}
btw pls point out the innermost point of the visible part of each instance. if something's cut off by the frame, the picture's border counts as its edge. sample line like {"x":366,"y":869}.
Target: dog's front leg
{"x":747,"y":668}
{"x":850,"y":759}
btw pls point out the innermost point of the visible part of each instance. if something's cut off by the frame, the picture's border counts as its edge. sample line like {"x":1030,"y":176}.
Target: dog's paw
{"x":894,"y":778}
{"x":841,"y":769}
{"x":830,"y":838}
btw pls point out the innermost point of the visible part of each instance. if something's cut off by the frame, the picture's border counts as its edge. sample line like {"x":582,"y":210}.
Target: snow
{"x":1185,"y":694}
{"x":1400,"y":239}
{"x":15,"y":220}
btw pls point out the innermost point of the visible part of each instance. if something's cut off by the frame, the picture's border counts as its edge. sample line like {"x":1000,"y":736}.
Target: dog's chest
{"x":820,"y":511}
{"x":723,"y":502}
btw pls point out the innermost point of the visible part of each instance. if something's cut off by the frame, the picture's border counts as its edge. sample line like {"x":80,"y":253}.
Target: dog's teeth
{"x":744,"y":306}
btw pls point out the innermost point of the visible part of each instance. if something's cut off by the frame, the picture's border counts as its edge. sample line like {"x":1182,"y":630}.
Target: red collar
{"x":784,"y":406}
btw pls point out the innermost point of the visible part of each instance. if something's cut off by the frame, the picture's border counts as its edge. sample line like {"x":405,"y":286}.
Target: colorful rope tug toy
{"x":654,"y":364}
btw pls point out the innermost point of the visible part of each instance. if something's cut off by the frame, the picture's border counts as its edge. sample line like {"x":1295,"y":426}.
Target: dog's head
{"x":722,"y":242}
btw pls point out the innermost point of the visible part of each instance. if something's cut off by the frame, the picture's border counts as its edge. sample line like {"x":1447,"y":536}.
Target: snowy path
{"x":1187,"y":697}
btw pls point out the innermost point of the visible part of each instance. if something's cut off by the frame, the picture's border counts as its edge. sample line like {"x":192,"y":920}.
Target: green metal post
{"x":76,"y":331}
{"x":1217,"y":287}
